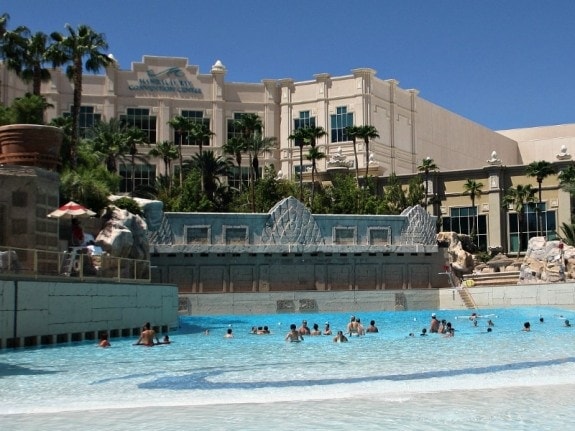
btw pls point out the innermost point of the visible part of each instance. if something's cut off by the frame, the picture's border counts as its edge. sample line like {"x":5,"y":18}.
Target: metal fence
{"x":78,"y":263}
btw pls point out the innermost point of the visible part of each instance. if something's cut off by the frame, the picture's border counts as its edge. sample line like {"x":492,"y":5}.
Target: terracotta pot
{"x":31,"y":145}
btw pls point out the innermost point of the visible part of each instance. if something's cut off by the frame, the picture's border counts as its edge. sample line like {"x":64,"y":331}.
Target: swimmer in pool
{"x":527,"y":327}
{"x":293,"y":335}
{"x":353,"y":326}
{"x":315,"y":330}
{"x":147,"y":336}
{"x":327,"y":329}
{"x":372,"y":327}
{"x":340,"y":338}
{"x":104,"y":341}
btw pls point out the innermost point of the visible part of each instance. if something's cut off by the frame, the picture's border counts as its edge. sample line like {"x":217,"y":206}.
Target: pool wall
{"x":36,"y":312}
{"x":562,"y":295}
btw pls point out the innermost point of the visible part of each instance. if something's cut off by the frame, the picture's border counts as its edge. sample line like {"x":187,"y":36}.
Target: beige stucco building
{"x":411,"y":128}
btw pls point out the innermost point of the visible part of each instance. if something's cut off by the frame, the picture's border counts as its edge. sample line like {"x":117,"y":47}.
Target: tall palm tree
{"x":212,"y":168}
{"x":236,"y":147}
{"x":366,"y":133}
{"x":473,"y":189}
{"x":540,"y":170}
{"x":519,"y":197}
{"x":114,"y":140}
{"x":300,"y":140}
{"x":314,"y":154}
{"x":26,"y":54}
{"x":427,"y":166}
{"x":248,"y":125}
{"x":353,"y":134}
{"x":71,"y":50}
{"x":182,"y":125}
{"x":167,"y":151}
{"x":199,"y":133}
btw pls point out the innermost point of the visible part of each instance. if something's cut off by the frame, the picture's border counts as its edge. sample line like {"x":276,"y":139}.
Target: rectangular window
{"x":344,"y":235}
{"x":87,"y":119}
{"x":463,"y":221}
{"x":529,"y":228}
{"x":236,"y":235}
{"x":141,"y":118}
{"x":198,"y":234}
{"x":379,"y":235}
{"x":233,"y":131}
{"x":144,"y":175}
{"x":198,"y":117}
{"x":339,"y":121}
{"x":304,"y":120}
{"x":237,"y":179}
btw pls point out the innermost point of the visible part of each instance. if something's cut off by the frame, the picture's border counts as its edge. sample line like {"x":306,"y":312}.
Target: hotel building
{"x":411,"y":128}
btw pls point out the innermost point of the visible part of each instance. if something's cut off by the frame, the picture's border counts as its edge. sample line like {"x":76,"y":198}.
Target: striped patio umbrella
{"x":71,"y":210}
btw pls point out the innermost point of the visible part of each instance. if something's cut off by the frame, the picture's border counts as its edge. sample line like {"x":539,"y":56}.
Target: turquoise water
{"x":505,"y":379}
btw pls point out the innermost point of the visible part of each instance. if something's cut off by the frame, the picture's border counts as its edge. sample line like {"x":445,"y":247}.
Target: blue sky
{"x":502,"y":63}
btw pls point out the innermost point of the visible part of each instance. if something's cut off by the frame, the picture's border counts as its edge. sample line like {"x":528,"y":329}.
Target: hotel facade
{"x":411,"y":128}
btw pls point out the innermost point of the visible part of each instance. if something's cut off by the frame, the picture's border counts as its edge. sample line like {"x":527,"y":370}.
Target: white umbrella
{"x":71,"y":210}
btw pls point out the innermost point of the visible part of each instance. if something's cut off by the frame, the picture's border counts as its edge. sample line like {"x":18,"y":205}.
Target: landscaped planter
{"x":31,"y":145}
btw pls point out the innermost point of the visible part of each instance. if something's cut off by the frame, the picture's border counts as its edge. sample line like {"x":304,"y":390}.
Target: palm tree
{"x":199,"y":133}
{"x":366,"y":133}
{"x":182,"y":125}
{"x":211,"y":169}
{"x":314,"y":154}
{"x":473,"y":189}
{"x":300,"y":140}
{"x":249,"y":125}
{"x":519,"y":197}
{"x":427,"y":166}
{"x":167,"y":151}
{"x":114,"y":140}
{"x":236,"y":147}
{"x":353,"y":133}
{"x":567,"y":179}
{"x":4,"y":18}
{"x":26,"y":54}
{"x":540,"y":170}
{"x":81,"y":43}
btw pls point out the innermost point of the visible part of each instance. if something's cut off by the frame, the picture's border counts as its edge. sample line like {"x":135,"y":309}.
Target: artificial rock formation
{"x":547,"y":262}
{"x":458,"y":252}
{"x":124,"y":235}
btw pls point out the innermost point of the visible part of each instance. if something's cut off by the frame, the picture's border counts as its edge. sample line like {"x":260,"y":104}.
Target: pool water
{"x":504,"y":379}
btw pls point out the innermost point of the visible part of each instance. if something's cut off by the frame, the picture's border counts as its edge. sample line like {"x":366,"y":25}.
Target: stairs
{"x":70,"y":263}
{"x":467,"y":298}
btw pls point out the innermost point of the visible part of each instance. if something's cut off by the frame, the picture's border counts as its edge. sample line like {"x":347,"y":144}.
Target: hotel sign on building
{"x":167,"y":80}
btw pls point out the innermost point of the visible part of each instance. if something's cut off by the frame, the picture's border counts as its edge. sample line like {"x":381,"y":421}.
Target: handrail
{"x":23,"y":262}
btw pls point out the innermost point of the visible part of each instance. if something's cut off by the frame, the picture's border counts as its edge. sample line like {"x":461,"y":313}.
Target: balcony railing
{"x":76,"y":263}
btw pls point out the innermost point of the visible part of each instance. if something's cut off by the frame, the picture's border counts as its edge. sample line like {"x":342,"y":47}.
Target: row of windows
{"x":466,"y":220}
{"x":141,"y":118}
{"x":239,"y":235}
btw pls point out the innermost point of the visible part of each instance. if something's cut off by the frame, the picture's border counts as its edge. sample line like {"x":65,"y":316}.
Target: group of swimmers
{"x":354,"y":328}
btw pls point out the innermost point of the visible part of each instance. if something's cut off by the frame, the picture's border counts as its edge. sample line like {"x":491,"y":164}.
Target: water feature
{"x":496,"y":380}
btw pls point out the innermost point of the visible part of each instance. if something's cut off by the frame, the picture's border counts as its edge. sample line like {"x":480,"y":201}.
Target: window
{"x":339,"y":122}
{"x":344,"y":235}
{"x":379,"y":235}
{"x":529,"y":228}
{"x":196,"y":116}
{"x":87,"y":119}
{"x":198,"y":234}
{"x":143,"y":175}
{"x":304,"y":120}
{"x":462,"y":220}
{"x":235,"y":177}
{"x":233,"y":131}
{"x":236,"y":235}
{"x":141,"y":118}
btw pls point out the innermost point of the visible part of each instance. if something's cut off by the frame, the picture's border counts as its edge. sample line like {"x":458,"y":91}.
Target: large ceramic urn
{"x":31,"y":145}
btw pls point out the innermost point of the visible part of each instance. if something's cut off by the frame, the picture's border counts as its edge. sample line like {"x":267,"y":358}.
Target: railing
{"x":76,"y":263}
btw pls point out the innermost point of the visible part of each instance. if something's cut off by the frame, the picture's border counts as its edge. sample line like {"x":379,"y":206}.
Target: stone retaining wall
{"x":36,"y":312}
